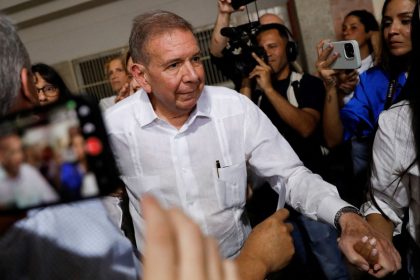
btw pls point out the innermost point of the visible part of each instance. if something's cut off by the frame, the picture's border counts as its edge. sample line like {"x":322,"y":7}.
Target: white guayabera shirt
{"x":202,"y":167}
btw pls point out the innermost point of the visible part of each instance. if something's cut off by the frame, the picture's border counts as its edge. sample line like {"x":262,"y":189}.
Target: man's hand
{"x":123,"y":93}
{"x":355,"y":228}
{"x":268,"y":248}
{"x":176,"y":249}
{"x":262,"y":73}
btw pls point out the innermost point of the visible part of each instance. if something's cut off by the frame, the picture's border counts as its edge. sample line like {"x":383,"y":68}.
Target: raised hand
{"x":176,"y":249}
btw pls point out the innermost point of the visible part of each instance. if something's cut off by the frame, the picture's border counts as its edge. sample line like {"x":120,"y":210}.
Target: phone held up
{"x":54,"y":154}
{"x":348,"y":54}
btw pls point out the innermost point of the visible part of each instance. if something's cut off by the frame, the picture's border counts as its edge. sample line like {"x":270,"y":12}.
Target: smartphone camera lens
{"x":349,"y":50}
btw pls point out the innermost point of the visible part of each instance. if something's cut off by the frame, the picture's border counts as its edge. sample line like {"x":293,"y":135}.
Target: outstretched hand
{"x":268,"y":248}
{"x":176,"y":249}
{"x":354,"y":230}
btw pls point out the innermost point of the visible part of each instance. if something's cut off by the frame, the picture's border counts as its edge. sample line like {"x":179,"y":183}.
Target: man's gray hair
{"x":148,"y":25}
{"x":13,"y":57}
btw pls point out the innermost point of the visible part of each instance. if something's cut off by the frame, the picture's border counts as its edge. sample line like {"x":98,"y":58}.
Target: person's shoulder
{"x":221,"y":93}
{"x":398,"y":113}
{"x":373,"y":72}
{"x":123,"y":110}
{"x":224,"y":101}
{"x":312,"y":85}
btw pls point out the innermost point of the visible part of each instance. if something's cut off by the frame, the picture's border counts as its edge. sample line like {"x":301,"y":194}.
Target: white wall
{"x":103,"y":28}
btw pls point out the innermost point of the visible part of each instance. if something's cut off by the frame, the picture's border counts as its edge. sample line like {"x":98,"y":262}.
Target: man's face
{"x":117,"y":75}
{"x":11,"y":154}
{"x":174,"y":76}
{"x":275,"y":46}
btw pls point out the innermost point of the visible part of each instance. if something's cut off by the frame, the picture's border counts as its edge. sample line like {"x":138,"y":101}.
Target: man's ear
{"x":28,"y":88}
{"x":139,"y":74}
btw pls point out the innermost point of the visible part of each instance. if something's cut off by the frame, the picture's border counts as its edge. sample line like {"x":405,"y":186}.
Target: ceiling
{"x":27,"y":13}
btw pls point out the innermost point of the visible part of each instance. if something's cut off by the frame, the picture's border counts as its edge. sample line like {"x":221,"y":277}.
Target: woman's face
{"x":353,"y":29}
{"x":47,"y":92}
{"x":397,"y":26}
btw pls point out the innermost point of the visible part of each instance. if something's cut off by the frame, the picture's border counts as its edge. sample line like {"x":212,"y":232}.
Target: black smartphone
{"x":54,"y":154}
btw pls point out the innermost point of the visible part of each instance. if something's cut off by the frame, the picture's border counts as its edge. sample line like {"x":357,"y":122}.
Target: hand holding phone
{"x":348,"y":54}
{"x":54,"y":154}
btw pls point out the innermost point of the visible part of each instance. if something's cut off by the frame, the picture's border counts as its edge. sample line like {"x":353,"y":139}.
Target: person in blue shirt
{"x":378,"y":88}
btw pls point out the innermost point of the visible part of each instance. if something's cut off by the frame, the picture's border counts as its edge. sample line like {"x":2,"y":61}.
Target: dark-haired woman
{"x":361,"y":25}
{"x":378,"y":89}
{"x":395,"y":177}
{"x":49,"y":85}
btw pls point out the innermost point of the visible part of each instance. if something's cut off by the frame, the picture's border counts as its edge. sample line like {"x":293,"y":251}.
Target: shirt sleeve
{"x":392,"y":154}
{"x":271,"y":157}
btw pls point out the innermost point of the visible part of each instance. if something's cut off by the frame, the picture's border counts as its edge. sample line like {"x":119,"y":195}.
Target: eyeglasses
{"x":48,"y":90}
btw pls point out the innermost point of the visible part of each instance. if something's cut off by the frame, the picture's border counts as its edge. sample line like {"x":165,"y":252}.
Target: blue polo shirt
{"x":360,"y":115}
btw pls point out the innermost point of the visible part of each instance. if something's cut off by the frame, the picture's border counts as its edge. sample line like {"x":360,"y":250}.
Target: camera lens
{"x":349,"y":50}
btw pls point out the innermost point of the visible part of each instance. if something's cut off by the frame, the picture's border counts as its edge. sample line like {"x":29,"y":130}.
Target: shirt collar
{"x":146,"y":115}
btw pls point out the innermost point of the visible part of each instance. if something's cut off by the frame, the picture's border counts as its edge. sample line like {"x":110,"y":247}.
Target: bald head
{"x":271,"y":18}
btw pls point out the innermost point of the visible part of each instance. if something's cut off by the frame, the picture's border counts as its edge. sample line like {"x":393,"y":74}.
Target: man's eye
{"x":173,"y":65}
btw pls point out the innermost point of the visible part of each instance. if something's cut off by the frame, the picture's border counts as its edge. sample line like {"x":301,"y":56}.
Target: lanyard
{"x":390,"y":94}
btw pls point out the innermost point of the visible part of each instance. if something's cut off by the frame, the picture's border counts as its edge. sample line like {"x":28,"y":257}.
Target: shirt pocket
{"x":231,"y":185}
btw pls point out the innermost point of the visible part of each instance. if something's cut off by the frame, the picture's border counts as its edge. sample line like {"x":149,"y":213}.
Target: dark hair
{"x":366,"y":18}
{"x":392,"y":65}
{"x":282,"y":29}
{"x":412,"y":85}
{"x":52,"y":77}
{"x":148,"y":25}
{"x":409,"y":92}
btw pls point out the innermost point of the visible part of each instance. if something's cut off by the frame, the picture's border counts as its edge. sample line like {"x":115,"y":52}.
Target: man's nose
{"x":189,"y":73}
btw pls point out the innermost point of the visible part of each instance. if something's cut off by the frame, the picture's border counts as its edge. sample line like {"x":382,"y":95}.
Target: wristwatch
{"x":346,"y":209}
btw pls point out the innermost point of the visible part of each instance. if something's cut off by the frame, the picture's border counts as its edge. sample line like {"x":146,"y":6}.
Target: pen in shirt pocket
{"x":217,"y":167}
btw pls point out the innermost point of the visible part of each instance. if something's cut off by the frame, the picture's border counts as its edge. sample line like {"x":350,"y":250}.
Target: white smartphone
{"x":349,"y":54}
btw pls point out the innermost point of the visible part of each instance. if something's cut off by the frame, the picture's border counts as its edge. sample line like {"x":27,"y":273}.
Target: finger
{"x":258,"y":59}
{"x":160,"y":248}
{"x":352,"y":256}
{"x":191,"y":247}
{"x":324,"y":52}
{"x":230,"y":270}
{"x":320,"y":46}
{"x":331,"y":58}
{"x":289,"y":227}
{"x":280,"y":214}
{"x":214,"y":261}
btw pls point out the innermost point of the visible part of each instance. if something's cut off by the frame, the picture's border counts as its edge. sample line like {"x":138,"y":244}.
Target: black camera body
{"x":236,"y":4}
{"x":242,"y":43}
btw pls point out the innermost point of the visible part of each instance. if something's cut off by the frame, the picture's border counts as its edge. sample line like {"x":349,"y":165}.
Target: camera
{"x":236,"y":4}
{"x":348,"y":50}
{"x":242,"y":43}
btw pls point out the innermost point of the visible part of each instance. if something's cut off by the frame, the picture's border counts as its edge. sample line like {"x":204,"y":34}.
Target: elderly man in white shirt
{"x":189,"y":145}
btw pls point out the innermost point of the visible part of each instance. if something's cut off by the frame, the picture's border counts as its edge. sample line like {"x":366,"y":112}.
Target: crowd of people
{"x":232,"y":184}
